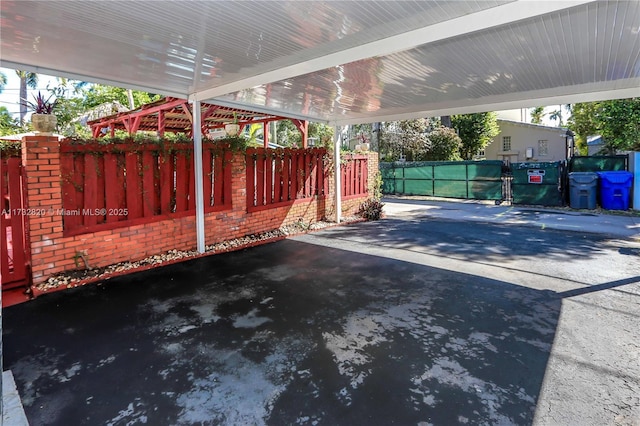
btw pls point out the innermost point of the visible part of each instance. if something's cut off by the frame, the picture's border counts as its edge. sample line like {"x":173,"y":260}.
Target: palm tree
{"x":27,"y":79}
{"x":3,"y":81}
{"x":537,"y":114}
{"x":557,"y":114}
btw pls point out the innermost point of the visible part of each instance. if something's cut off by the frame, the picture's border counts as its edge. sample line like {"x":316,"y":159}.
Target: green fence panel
{"x":485,"y":170}
{"x":452,"y":179}
{"x":389,"y":186}
{"x":450,"y":188}
{"x":537,"y":183}
{"x":485,"y":189}
{"x":420,"y":172}
{"x":542,"y":195}
{"x":387,"y":172}
{"x":450,"y":171}
{"x":599,"y":163}
{"x":418,"y":187}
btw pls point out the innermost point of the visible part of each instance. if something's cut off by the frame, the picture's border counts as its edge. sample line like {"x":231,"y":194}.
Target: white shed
{"x":519,"y":141}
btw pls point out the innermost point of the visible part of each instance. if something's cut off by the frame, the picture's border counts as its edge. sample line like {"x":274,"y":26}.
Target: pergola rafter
{"x":176,"y":116}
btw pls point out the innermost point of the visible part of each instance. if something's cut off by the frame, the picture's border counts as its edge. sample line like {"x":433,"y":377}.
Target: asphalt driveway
{"x":413,"y":320}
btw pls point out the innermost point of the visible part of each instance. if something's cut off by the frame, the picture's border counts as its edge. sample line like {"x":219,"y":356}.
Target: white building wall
{"x":524,"y":136}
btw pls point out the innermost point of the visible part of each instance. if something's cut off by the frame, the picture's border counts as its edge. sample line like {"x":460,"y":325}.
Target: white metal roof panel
{"x":340,"y":61}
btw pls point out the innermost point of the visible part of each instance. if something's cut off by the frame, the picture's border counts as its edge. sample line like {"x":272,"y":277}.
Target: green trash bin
{"x":583,"y":187}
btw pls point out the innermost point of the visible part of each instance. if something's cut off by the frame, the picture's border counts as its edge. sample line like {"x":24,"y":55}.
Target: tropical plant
{"x":537,"y":114}
{"x":557,"y":114}
{"x":40,"y":105}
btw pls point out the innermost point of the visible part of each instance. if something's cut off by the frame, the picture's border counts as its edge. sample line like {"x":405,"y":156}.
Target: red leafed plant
{"x":40,"y":105}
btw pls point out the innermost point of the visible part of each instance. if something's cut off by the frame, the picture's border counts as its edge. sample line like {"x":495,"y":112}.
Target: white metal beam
{"x":336,"y":172}
{"x":467,"y":24}
{"x":197,"y":163}
{"x":580,"y":93}
{"x":269,"y":111}
{"x":82,"y":77}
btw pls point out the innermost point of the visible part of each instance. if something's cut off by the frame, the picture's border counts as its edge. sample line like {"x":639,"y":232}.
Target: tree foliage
{"x":419,"y":140}
{"x":323,"y":133}
{"x":415,"y":141}
{"x":537,"y":114}
{"x":445,"y":145}
{"x":289,"y":135}
{"x":98,"y":94}
{"x":476,"y":131}
{"x":617,"y":121}
{"x":8,"y":124}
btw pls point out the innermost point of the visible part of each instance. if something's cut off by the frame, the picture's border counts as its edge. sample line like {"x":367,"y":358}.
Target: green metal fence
{"x":543,"y":183}
{"x":538,"y":183}
{"x":478,"y":180}
{"x":599,"y":163}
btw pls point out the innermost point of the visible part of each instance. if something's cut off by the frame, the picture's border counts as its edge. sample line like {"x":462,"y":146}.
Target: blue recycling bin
{"x":614,"y":189}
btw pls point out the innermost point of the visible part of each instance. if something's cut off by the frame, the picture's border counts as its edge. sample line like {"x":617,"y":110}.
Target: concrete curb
{"x":12,"y":409}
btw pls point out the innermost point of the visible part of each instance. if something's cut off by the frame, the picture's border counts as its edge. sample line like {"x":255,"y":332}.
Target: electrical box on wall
{"x":529,"y":152}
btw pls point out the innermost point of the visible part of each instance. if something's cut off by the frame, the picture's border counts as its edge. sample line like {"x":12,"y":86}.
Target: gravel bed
{"x":74,"y":278}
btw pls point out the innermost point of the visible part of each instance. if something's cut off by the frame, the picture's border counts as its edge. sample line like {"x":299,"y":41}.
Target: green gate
{"x":478,"y":180}
{"x":599,"y":163}
{"x":537,"y":183}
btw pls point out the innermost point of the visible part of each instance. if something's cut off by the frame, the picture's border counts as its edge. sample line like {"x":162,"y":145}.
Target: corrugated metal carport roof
{"x":338,"y":61}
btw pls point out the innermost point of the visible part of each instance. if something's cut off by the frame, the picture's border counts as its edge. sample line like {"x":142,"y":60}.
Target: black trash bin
{"x":583,"y":187}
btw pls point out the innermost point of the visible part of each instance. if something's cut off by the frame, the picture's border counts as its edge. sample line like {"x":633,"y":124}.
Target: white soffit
{"x":584,"y":53}
{"x":339,"y":61}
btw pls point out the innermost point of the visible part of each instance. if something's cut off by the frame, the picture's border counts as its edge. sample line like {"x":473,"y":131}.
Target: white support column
{"x":197,"y":162}
{"x":336,"y":175}
{"x":634,"y":167}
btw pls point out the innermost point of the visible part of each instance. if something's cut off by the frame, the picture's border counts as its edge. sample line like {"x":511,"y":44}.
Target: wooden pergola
{"x":175,"y":115}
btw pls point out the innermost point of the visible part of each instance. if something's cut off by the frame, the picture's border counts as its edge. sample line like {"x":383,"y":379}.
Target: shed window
{"x":506,"y":143}
{"x":543,"y":148}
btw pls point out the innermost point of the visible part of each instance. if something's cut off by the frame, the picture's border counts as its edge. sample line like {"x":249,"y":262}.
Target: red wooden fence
{"x":277,"y":177}
{"x":14,"y":250}
{"x":109,"y":186}
{"x":354,"y":179}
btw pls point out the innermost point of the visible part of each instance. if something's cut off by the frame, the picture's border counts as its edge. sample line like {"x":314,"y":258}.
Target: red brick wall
{"x":52,"y":253}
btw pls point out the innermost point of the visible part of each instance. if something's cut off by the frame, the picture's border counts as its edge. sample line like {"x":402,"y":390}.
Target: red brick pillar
{"x":239,"y":184}
{"x":41,"y":160}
